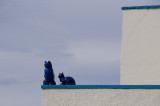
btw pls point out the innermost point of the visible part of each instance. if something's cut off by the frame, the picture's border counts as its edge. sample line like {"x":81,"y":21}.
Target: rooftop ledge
{"x":141,"y":7}
{"x":100,"y":86}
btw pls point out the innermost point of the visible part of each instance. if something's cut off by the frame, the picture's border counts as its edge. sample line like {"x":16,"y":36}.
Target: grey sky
{"x":82,"y":38}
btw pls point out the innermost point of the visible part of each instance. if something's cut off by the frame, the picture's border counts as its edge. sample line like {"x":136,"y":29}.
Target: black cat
{"x":66,"y":80}
{"x":48,"y":74}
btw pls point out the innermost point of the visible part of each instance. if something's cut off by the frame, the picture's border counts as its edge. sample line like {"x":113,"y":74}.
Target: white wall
{"x":100,"y":97}
{"x":140,"y":62}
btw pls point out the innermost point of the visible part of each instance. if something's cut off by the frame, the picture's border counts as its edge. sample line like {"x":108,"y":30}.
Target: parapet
{"x":100,"y":95}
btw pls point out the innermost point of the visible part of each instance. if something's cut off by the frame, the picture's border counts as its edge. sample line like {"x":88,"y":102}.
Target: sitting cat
{"x":48,"y":74}
{"x":66,"y":80}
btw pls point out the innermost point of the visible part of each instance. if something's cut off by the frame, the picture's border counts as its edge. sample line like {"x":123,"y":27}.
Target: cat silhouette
{"x":66,"y":80}
{"x":48,"y":74}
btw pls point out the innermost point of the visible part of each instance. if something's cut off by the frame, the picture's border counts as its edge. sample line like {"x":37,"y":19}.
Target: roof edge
{"x":100,"y":86}
{"x":141,"y":7}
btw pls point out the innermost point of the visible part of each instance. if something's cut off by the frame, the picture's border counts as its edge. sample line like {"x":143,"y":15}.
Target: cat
{"x":48,"y":74}
{"x":66,"y":80}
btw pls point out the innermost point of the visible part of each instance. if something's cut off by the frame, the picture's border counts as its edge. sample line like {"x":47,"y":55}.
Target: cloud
{"x":94,"y":51}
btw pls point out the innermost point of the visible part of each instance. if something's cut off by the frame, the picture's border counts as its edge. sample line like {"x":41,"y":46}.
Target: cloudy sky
{"x":82,"y":38}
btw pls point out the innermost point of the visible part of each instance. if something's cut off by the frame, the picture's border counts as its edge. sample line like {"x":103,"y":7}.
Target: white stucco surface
{"x":140,"y":61}
{"x":101,"y":97}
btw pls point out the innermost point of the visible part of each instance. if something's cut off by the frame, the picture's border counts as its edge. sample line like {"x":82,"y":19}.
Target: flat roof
{"x":100,"y":86}
{"x":141,"y":7}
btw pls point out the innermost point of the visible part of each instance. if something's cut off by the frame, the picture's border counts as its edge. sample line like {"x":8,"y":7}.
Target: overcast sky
{"x":82,"y":38}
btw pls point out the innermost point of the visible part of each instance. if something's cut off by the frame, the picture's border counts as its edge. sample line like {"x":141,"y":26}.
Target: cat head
{"x":47,"y":64}
{"x":61,"y":75}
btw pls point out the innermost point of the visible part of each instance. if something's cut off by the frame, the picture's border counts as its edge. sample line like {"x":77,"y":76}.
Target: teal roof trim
{"x":141,"y":7}
{"x":100,"y":86}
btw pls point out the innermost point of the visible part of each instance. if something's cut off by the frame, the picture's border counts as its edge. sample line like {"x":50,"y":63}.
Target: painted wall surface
{"x":100,"y":97}
{"x":140,"y":61}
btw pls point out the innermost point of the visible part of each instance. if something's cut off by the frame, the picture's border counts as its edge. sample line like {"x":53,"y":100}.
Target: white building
{"x":140,"y":62}
{"x":140,"y":68}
